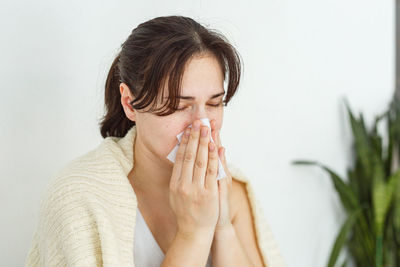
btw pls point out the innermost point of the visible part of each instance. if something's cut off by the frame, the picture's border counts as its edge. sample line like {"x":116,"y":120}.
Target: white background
{"x":300,"y":59}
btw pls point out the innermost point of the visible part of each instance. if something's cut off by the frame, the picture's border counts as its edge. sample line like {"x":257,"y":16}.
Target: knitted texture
{"x":88,"y":212}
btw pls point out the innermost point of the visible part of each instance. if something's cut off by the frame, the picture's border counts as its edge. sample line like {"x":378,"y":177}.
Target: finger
{"x":177,"y":169}
{"x":212,"y":124}
{"x":191,"y":152}
{"x":215,"y":133}
{"x":225,"y":165}
{"x":222,"y":187}
{"x":200,"y":166}
{"x":212,"y":166}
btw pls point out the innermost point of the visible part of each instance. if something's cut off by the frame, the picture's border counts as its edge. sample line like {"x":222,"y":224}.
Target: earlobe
{"x":129,"y":111}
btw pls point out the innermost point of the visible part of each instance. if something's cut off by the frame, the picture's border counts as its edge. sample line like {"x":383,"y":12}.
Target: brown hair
{"x":156,"y":53}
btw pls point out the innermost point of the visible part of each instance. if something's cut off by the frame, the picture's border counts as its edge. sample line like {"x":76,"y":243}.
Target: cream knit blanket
{"x":87,"y":215}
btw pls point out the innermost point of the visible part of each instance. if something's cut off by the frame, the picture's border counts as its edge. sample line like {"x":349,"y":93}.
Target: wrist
{"x":197,"y":235}
{"x":224,"y":232}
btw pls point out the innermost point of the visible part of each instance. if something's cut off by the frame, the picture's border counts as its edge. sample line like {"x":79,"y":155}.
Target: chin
{"x":170,"y":164}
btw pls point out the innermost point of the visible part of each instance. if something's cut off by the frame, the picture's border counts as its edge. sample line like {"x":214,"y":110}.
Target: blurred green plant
{"x":371,"y":194}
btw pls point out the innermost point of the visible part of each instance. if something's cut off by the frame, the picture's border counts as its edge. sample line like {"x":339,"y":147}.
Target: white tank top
{"x":146,"y":251}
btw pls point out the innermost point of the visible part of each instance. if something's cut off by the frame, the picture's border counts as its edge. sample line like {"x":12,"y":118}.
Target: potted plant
{"x":371,"y":193}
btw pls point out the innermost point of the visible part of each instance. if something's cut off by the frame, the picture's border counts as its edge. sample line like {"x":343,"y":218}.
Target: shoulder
{"x":70,"y":177}
{"x":73,"y":195}
{"x":80,"y":203}
{"x":66,"y":193}
{"x":97,"y":176}
{"x":73,"y":184}
{"x":66,"y":218}
{"x":86,"y":171}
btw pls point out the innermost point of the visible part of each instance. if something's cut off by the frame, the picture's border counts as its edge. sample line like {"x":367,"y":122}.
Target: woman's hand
{"x":224,"y":185}
{"x":193,"y":185}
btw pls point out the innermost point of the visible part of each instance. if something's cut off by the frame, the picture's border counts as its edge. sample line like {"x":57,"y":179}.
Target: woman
{"x":126,"y":203}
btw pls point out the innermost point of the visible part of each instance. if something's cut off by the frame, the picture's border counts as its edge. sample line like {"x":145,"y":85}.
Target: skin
{"x":156,"y":137}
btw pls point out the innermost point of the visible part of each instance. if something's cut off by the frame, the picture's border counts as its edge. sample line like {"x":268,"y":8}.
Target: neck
{"x":150,"y":174}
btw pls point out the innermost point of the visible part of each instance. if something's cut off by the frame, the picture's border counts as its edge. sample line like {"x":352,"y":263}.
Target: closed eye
{"x":216,"y":105}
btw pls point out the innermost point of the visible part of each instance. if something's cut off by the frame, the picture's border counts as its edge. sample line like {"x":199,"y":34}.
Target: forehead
{"x":202,"y":77}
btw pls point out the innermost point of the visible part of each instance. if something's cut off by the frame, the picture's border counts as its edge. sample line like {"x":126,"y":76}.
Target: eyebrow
{"x":192,"y":98}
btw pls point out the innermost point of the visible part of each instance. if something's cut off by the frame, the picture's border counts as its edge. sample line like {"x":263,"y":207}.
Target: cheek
{"x":169,"y":132}
{"x":164,"y":132}
{"x":166,"y":142}
{"x":219,"y":117}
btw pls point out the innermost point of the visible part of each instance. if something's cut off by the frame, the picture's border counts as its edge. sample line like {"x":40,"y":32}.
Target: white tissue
{"x":172,"y":155}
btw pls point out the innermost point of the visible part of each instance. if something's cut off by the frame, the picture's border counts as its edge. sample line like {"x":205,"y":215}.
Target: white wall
{"x":300,"y":59}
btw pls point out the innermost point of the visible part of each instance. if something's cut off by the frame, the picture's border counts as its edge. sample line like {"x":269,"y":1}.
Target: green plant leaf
{"x":389,"y":248}
{"x":362,"y":144}
{"x":341,"y":237}
{"x":353,"y":182}
{"x":396,"y":206}
{"x":382,"y":197}
{"x":347,"y":197}
{"x":373,"y":236}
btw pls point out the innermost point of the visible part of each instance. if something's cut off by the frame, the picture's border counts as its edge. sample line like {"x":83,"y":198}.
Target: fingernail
{"x":212,"y":147}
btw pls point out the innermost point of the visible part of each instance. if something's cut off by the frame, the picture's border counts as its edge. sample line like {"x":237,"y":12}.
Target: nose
{"x":199,"y":113}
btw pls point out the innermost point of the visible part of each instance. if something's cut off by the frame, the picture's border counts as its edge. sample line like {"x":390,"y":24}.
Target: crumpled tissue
{"x":172,"y":155}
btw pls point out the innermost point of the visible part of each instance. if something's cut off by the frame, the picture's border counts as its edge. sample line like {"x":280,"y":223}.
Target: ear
{"x":126,"y":98}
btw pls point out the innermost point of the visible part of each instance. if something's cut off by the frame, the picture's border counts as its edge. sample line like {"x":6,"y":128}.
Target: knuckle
{"x":200,"y":163}
{"x":179,"y":156}
{"x":197,"y":201}
{"x":211,"y":171}
{"x":200,"y":197}
{"x":185,"y":140}
{"x":203,"y":194}
{"x":189,"y":156}
{"x":213,"y":155}
{"x":204,"y":141}
{"x":183,"y":191}
{"x":193,"y":136}
{"x":172,"y":187}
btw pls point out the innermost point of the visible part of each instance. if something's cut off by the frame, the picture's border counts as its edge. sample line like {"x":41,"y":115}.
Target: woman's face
{"x":202,"y":79}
